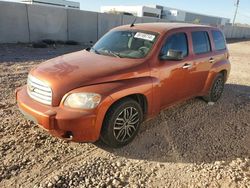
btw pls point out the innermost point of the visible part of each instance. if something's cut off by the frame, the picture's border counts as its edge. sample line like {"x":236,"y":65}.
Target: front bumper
{"x":63,"y":122}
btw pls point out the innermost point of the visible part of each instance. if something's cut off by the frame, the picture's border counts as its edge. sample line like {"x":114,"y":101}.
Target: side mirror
{"x":87,"y":49}
{"x":175,"y":55}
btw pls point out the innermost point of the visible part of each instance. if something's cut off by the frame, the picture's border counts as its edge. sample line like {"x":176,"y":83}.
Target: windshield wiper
{"x":96,"y":51}
{"x":114,"y":53}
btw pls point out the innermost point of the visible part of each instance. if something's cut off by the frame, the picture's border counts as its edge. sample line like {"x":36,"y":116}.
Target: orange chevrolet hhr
{"x":128,"y":76}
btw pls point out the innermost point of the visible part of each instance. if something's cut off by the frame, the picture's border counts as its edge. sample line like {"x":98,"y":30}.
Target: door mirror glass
{"x":175,"y":55}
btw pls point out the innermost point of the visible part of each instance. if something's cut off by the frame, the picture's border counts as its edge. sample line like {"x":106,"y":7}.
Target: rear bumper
{"x":63,"y":122}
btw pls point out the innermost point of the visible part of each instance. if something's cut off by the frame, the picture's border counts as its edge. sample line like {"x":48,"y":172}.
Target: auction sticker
{"x":144,"y":36}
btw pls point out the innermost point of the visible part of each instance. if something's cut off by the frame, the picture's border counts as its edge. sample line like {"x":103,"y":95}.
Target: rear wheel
{"x":216,"y":89}
{"x":122,"y":123}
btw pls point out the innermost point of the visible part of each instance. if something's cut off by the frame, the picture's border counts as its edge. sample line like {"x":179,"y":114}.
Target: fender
{"x":142,"y":85}
{"x":147,"y":86}
{"x":113,"y":91}
{"x":215,"y":69}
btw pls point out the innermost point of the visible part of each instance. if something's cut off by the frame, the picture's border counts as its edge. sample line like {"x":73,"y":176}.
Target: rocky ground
{"x":190,"y":145}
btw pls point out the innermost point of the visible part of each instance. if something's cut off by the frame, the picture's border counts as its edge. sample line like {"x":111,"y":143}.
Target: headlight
{"x":83,"y":100}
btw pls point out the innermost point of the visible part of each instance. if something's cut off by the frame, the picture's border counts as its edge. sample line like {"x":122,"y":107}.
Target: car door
{"x":201,"y":62}
{"x":173,"y":73}
{"x":220,"y":51}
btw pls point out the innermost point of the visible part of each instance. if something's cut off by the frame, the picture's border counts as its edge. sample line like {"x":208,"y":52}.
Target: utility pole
{"x":236,"y":11}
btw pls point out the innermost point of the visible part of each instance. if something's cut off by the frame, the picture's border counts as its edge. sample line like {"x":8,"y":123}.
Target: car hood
{"x":82,"y":68}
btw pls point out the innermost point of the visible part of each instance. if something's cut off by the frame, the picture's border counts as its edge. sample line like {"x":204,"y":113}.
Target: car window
{"x":127,"y":44}
{"x":201,"y":43}
{"x":219,"y":40}
{"x":177,"y":42}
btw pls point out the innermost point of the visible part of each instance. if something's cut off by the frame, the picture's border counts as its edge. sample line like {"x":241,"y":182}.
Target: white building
{"x":56,"y":3}
{"x":173,"y":14}
{"x":139,"y":11}
{"x":170,"y":14}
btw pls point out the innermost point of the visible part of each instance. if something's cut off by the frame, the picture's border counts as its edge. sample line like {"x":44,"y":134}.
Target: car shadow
{"x":196,"y":132}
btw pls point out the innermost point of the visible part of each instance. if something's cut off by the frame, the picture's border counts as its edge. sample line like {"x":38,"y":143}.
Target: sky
{"x":222,"y":8}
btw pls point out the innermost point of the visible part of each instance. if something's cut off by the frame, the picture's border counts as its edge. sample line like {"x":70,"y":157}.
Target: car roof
{"x":160,"y":27}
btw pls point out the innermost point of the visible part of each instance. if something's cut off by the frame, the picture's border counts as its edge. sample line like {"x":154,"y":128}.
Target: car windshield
{"x":125,"y":44}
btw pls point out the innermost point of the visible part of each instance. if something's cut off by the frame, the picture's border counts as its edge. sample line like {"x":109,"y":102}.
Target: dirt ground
{"x":190,"y":145}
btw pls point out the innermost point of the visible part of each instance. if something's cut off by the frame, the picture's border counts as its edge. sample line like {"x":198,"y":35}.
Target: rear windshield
{"x":219,"y":40}
{"x":127,"y":44}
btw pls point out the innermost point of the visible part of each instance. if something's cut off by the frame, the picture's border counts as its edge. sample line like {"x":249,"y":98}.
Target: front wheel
{"x":216,"y":89}
{"x":121,"y":123}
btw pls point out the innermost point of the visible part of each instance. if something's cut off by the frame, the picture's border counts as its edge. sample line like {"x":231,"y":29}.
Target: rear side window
{"x":201,"y":43}
{"x":177,"y":42}
{"x":219,"y":40}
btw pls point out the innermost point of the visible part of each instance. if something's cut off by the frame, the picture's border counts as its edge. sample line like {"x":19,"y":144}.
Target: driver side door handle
{"x":211,"y":60}
{"x":187,"y":66}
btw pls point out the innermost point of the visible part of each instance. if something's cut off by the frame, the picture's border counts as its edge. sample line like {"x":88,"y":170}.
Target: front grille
{"x":39,"y":91}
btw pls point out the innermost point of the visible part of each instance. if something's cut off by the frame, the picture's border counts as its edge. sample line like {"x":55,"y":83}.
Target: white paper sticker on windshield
{"x":144,"y":36}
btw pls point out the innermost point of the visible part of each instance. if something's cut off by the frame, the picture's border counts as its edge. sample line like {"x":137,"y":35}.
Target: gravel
{"x":193,"y":144}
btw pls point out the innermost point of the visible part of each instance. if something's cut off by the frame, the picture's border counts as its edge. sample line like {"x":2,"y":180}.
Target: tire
{"x":121,"y":123}
{"x":216,"y":89}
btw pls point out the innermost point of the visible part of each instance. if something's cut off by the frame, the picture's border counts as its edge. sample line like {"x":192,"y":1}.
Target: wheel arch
{"x":225,"y":74}
{"x":138,"y":97}
{"x":210,"y":78}
{"x":139,"y":89}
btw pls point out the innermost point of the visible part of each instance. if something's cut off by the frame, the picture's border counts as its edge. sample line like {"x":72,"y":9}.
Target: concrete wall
{"x":236,"y":32}
{"x":29,"y":23}
{"x":149,"y":20}
{"x":13,"y":23}
{"x":129,"y":19}
{"x":82,"y":26}
{"x":107,"y":22}
{"x":47,"y":22}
